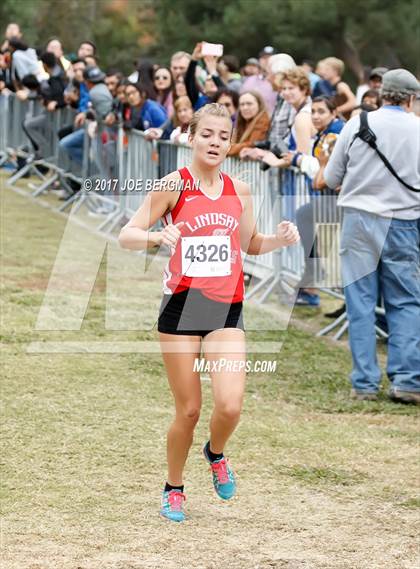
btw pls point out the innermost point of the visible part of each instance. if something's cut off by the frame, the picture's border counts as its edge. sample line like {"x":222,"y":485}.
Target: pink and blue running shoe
{"x":172,"y":502}
{"x":223,"y":477}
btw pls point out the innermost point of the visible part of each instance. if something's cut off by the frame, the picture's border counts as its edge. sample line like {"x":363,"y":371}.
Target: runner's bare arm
{"x":252,"y":241}
{"x":135,"y":234}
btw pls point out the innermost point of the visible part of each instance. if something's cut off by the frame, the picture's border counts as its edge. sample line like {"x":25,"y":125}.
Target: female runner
{"x":208,"y":220}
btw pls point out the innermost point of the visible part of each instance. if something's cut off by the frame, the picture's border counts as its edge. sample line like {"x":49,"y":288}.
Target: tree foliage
{"x":375,"y":32}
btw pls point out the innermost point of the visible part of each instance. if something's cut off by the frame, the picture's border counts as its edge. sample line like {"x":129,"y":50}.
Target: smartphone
{"x":212,"y":49}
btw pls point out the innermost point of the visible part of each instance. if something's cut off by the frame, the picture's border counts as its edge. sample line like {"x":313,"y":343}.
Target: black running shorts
{"x":190,"y":313}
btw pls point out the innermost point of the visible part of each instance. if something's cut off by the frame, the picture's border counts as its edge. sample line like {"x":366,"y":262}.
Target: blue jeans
{"x":73,"y":145}
{"x":378,"y":253}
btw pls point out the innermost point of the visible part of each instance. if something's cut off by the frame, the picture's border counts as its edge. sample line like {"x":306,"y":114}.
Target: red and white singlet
{"x":208,"y":254}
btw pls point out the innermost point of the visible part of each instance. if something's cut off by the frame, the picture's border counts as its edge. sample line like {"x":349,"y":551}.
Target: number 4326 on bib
{"x":206,"y":256}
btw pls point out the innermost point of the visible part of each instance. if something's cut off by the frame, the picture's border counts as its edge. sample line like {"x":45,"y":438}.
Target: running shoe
{"x":172,"y":502}
{"x":223,"y":477}
{"x":307,"y":299}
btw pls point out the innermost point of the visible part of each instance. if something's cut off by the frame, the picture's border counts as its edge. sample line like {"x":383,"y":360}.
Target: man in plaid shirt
{"x":283,"y":114}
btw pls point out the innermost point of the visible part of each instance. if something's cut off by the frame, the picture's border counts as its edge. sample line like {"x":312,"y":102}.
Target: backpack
{"x":367,"y":135}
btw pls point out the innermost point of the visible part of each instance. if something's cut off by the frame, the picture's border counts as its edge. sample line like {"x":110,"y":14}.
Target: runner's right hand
{"x":170,"y":234}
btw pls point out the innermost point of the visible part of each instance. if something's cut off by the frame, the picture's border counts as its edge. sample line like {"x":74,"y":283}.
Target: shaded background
{"x":361,"y":32}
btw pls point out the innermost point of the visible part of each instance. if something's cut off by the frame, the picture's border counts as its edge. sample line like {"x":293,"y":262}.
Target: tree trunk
{"x":348,"y":52}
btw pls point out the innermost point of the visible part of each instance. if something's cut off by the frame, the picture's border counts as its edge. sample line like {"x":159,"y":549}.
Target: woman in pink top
{"x":163,"y":84}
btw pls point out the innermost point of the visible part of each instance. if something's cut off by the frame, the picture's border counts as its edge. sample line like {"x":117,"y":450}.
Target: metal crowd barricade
{"x":19,"y":111}
{"x":137,"y":162}
{"x":283,"y":192}
{"x":13,"y":140}
{"x":82,"y":197}
{"x":168,"y":157}
{"x":131,"y":163}
{"x":4,"y":119}
{"x":117,"y":173}
{"x":294,"y":193}
{"x":100,"y":167}
{"x":59,"y":165}
{"x":184,"y":156}
{"x":142,"y":168}
{"x":126,"y":181}
{"x":326,"y":222}
{"x":327,"y":219}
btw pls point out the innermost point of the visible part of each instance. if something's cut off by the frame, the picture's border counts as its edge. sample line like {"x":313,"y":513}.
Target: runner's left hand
{"x":287,"y":233}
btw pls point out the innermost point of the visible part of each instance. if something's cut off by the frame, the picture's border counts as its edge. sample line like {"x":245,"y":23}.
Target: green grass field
{"x":323,"y":482}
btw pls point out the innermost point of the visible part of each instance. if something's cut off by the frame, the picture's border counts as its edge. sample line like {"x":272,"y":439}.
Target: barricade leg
{"x":20,"y":173}
{"x":45,"y":185}
{"x":116,"y":159}
{"x":342,"y":318}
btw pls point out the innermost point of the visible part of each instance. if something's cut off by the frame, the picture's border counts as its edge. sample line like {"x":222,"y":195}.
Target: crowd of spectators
{"x":269,"y":97}
{"x":286,"y":116}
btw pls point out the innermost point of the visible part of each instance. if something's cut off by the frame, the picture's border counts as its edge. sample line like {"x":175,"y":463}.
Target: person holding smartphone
{"x":212,"y":81}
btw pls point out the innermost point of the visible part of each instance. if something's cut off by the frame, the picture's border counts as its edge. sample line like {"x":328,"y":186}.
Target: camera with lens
{"x":262,"y":144}
{"x":277,"y":149}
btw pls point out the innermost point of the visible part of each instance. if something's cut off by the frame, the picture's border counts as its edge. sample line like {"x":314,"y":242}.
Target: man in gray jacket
{"x":100,"y":105}
{"x":380,"y":238}
{"x":100,"y":96}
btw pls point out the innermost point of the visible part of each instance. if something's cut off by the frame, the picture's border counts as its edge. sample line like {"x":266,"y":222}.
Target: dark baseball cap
{"x":93,"y":74}
{"x":267,"y":50}
{"x":378,"y":72}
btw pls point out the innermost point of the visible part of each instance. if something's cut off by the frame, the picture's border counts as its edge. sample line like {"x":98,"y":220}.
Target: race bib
{"x":206,"y":256}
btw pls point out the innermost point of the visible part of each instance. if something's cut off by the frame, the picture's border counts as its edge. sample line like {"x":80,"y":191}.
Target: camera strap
{"x":367,"y":135}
